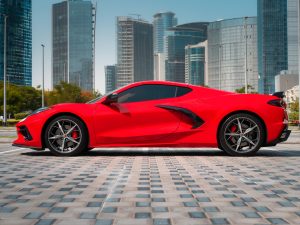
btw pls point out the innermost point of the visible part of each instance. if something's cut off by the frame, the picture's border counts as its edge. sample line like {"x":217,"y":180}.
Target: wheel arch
{"x":246,"y":112}
{"x":58,"y":115}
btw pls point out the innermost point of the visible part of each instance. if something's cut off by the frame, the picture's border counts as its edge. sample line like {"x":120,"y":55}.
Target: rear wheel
{"x":66,"y":136}
{"x":241,"y":135}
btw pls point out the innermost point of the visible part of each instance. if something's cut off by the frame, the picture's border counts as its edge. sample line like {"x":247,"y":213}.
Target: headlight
{"x":35,"y":112}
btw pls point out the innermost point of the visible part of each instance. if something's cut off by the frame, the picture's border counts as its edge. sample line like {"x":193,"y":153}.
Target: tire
{"x":241,"y":134}
{"x":66,"y":136}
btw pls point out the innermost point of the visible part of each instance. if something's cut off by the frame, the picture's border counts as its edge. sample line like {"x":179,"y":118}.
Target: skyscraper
{"x":161,"y":23}
{"x":19,"y":41}
{"x":292,"y":31}
{"x":134,"y":50}
{"x":110,"y":78}
{"x":73,"y":35}
{"x":196,"y":64}
{"x":176,"y":39}
{"x":159,"y":66}
{"x":232,"y":53}
{"x":272,"y":42}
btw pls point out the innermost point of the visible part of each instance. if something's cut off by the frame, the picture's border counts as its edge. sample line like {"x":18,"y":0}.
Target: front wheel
{"x":241,"y":135}
{"x":66,"y":136}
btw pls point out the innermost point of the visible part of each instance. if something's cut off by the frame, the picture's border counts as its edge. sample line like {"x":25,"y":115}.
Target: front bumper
{"x":27,"y":146}
{"x":29,"y":133}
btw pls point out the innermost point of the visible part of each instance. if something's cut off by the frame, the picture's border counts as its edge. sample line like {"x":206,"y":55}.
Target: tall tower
{"x":19,"y":41}
{"x":292,"y":32}
{"x":73,"y":39}
{"x":272,"y":42}
{"x":232,"y":53}
{"x":134,"y":50}
{"x":196,"y":64}
{"x":177,"y":38}
{"x":110,"y":78}
{"x":161,"y":23}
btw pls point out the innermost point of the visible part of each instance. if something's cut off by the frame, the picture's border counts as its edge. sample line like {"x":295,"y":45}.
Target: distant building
{"x":292,"y":94}
{"x":73,"y":36}
{"x":177,"y":38}
{"x":232,"y":53}
{"x":286,"y":80}
{"x":134,"y":50}
{"x":272,"y":42}
{"x":159,"y":66}
{"x":19,"y":41}
{"x":161,"y":23}
{"x":110,"y":78}
{"x":292,"y":34}
{"x":196,"y":64}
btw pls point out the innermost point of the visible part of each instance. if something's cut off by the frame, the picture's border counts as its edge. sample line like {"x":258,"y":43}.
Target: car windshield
{"x":100,"y":97}
{"x":95,"y":99}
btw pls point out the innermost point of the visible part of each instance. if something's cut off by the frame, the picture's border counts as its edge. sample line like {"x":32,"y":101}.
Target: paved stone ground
{"x":182,"y":187}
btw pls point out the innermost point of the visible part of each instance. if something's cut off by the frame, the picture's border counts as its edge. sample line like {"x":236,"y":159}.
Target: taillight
{"x":278,"y":103}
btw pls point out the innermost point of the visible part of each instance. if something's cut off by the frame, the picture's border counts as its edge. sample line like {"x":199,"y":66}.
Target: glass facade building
{"x":161,"y":23}
{"x":73,"y":43}
{"x":195,"y":63}
{"x":110,"y":78}
{"x":19,"y":41}
{"x":134,"y":51}
{"x":292,"y":30}
{"x":176,"y":39}
{"x":272,"y":42}
{"x":232,"y":53}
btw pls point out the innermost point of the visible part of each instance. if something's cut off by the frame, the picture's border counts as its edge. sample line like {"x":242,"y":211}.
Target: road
{"x":156,"y":186}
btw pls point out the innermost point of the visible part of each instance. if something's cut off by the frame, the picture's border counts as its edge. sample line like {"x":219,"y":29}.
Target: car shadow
{"x":162,"y":152}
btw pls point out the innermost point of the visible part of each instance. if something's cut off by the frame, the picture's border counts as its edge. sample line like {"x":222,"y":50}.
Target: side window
{"x":151,"y":92}
{"x":182,"y":91}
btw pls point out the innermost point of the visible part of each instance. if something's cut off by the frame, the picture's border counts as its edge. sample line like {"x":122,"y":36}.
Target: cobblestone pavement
{"x":181,"y":187}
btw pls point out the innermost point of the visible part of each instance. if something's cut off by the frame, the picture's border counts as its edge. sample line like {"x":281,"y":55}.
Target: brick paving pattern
{"x":141,"y":188}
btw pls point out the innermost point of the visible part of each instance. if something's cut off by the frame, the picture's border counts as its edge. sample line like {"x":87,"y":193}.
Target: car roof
{"x":160,"y":82}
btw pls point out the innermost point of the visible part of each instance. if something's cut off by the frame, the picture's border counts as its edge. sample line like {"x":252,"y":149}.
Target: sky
{"x":107,"y":10}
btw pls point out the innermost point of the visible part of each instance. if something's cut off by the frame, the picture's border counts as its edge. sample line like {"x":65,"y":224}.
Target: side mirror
{"x":112,"y":98}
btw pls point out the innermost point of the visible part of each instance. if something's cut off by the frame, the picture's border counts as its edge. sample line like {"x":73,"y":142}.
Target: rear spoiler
{"x":279,"y":94}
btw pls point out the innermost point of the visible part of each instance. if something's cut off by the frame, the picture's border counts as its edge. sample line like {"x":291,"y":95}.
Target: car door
{"x":136,"y":117}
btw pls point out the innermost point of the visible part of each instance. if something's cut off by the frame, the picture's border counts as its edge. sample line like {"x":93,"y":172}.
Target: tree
{"x":20,"y":98}
{"x":294,"y":110}
{"x":250,"y":88}
{"x":294,"y":106}
{"x":65,"y":92}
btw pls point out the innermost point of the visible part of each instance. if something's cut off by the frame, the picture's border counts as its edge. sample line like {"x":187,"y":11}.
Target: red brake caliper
{"x":74,"y":135}
{"x":233,"y":130}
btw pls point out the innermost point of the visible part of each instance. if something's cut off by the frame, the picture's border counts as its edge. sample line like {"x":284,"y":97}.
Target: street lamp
{"x":299,"y":58}
{"x":220,"y":48}
{"x":4,"y":73}
{"x":246,"y":59}
{"x":43,"y":101}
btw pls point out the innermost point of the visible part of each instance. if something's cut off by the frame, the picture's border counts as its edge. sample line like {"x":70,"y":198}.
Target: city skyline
{"x":105,"y":29}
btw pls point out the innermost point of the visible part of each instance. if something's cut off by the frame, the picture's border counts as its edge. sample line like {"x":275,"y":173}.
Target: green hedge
{"x":10,"y":122}
{"x":19,"y":116}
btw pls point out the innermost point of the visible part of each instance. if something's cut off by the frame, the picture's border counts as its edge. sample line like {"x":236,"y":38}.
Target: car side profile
{"x":159,"y":114}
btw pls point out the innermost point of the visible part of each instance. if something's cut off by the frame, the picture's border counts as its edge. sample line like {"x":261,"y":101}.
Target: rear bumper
{"x":283,"y":136}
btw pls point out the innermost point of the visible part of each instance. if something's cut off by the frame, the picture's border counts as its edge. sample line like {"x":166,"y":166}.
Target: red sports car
{"x":159,"y":114}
